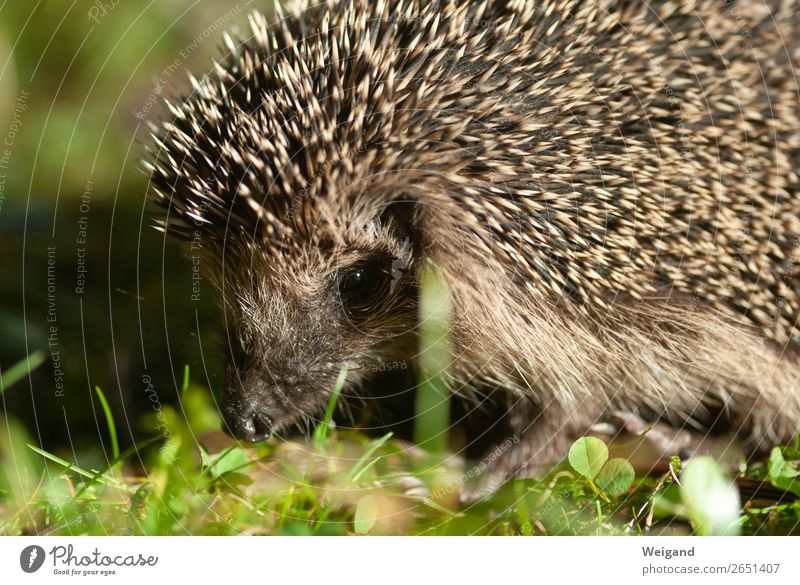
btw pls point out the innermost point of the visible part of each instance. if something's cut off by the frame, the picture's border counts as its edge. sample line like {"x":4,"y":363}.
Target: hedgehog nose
{"x":250,"y":426}
{"x":256,"y":429}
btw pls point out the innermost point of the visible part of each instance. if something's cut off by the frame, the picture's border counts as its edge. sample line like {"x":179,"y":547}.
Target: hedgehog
{"x":608,"y":189}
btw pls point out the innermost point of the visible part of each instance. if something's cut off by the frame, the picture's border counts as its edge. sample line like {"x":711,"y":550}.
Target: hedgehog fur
{"x":609,"y":188}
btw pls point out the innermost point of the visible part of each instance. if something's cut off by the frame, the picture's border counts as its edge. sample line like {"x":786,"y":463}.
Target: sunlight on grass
{"x":182,"y":480}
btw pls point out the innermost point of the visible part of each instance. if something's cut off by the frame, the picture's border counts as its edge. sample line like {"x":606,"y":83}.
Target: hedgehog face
{"x":296,"y":321}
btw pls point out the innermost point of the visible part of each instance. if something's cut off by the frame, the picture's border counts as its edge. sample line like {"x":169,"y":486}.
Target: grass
{"x":344,"y":482}
{"x":19,"y":370}
{"x":181,"y":480}
{"x":432,"y":406}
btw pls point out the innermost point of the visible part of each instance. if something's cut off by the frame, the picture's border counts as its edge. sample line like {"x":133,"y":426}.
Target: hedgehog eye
{"x":361,"y":286}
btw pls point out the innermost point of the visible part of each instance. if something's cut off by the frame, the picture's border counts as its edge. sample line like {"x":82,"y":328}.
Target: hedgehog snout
{"x":259,"y":400}
{"x":249,"y":409}
{"x":246,"y":422}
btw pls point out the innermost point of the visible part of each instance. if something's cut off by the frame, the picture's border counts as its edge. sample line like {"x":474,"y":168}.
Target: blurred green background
{"x":83,"y":273}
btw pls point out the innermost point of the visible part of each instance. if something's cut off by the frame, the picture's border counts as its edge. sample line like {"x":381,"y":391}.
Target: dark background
{"x":78,"y":83}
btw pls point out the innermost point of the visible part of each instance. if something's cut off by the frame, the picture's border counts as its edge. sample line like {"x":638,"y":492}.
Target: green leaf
{"x":366,"y":514}
{"x":787,"y":484}
{"x":178,"y":506}
{"x":588,"y":455}
{"x":776,"y":463}
{"x":232,"y":459}
{"x":782,"y":473}
{"x":779,"y":467}
{"x":711,"y":500}
{"x":616,"y":477}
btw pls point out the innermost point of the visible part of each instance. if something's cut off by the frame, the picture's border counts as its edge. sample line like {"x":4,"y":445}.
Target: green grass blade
{"x":367,"y":461}
{"x":65,"y":463}
{"x":72,"y":467}
{"x":98,"y":476}
{"x":19,"y":370}
{"x":323,"y":428}
{"x":112,"y":429}
{"x":432,"y":416}
{"x":185,"y":385}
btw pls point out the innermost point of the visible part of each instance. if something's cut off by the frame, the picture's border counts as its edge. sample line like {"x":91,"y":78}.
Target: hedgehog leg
{"x":762,"y":388}
{"x":541,"y":437}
